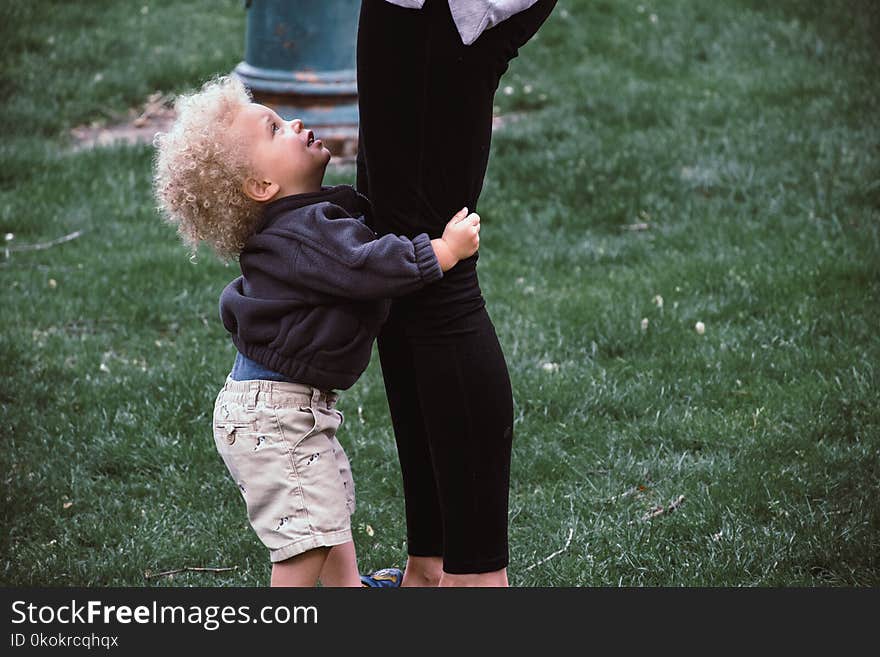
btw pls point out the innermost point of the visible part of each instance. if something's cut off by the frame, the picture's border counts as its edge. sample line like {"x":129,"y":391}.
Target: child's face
{"x":284,"y":156}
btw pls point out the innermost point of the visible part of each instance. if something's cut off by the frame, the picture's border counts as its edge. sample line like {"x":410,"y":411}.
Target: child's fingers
{"x":461,"y":214}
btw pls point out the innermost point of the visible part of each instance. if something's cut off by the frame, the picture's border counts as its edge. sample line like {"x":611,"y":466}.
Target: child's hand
{"x":462,"y":234}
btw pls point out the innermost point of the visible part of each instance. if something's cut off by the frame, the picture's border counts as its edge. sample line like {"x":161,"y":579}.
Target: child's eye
{"x":274,"y":127}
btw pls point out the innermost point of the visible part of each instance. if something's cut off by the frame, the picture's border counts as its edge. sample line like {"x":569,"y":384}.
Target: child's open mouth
{"x":311,"y":139}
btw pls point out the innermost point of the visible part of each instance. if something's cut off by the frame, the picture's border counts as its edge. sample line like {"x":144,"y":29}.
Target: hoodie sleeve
{"x":340,"y":255}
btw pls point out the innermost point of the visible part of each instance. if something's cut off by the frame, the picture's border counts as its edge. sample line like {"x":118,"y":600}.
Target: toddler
{"x":314,"y":290}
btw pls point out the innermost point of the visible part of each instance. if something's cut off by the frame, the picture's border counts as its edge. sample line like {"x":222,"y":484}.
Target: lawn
{"x":664,"y":164}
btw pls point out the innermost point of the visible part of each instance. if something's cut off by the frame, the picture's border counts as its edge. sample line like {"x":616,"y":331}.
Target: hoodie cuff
{"x":429,"y":267}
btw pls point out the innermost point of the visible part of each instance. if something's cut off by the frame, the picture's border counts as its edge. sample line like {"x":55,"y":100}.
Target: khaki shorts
{"x":278,"y":441}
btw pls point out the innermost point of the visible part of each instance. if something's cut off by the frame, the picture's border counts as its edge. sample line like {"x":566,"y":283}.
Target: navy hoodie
{"x":315,"y":286}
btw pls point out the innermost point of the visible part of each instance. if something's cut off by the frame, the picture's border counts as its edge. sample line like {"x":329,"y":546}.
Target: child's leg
{"x":340,"y":567}
{"x":301,"y":570}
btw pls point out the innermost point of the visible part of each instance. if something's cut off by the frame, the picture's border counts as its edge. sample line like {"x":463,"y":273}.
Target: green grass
{"x":745,"y":137}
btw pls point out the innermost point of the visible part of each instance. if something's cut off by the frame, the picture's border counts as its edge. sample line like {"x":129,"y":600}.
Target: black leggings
{"x":426,"y":123}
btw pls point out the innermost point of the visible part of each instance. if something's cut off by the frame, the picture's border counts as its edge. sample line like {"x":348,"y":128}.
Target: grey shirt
{"x":473,"y":17}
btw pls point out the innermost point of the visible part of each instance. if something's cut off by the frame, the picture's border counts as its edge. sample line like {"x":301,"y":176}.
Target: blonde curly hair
{"x":199,"y":170}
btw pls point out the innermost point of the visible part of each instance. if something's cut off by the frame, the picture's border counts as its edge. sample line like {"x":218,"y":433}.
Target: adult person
{"x":427,"y":75}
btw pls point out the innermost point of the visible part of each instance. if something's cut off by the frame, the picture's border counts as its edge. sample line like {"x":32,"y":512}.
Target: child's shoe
{"x":386,"y":578}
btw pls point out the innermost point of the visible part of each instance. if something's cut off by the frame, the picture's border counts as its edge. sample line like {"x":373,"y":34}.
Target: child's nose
{"x":296,"y":125}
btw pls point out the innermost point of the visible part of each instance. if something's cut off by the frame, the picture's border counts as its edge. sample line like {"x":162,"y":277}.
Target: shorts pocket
{"x":296,"y":424}
{"x":229,"y":431}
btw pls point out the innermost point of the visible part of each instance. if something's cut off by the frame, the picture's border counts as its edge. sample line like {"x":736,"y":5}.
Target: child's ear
{"x":260,"y":190}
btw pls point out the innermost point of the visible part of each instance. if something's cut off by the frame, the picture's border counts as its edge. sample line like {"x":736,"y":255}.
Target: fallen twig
{"x":567,"y":542}
{"x":660,"y":510}
{"x":187,"y":569}
{"x":44,"y":245}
